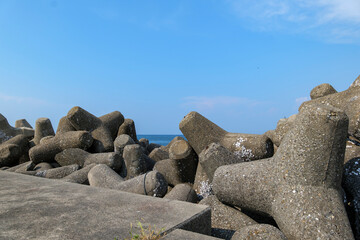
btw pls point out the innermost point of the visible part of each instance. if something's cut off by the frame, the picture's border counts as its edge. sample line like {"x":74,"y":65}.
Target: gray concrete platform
{"x":37,"y":208}
{"x":186,"y":235}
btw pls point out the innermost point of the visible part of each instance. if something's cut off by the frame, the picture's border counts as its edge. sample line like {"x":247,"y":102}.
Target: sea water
{"x":159,"y":139}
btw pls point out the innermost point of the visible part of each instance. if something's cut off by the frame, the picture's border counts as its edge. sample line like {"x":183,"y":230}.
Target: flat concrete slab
{"x":186,"y":235}
{"x":37,"y":208}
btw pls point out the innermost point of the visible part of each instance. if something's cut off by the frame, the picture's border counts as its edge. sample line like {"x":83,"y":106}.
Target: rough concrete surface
{"x":37,"y":208}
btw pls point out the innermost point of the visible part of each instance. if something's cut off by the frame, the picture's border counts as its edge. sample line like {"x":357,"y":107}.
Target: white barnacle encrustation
{"x":243,"y":152}
{"x":205,"y":189}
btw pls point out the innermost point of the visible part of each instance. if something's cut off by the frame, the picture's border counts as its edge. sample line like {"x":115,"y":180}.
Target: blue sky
{"x":243,"y":64}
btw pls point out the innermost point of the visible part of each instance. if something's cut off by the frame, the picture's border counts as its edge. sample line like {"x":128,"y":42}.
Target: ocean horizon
{"x":162,"y":139}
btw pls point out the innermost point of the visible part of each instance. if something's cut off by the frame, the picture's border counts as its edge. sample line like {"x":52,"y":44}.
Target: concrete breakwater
{"x":298,"y":181}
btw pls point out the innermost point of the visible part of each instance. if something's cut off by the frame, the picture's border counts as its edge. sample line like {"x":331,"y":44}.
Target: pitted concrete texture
{"x":259,"y":232}
{"x":36,"y":208}
{"x":225,"y":219}
{"x":83,"y":120}
{"x":200,"y":132}
{"x":348,"y":101}
{"x":128,"y":127}
{"x":322,"y":90}
{"x":186,"y":235}
{"x":300,"y":187}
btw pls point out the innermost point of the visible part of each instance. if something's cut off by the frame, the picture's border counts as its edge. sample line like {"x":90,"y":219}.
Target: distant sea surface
{"x":159,"y":139}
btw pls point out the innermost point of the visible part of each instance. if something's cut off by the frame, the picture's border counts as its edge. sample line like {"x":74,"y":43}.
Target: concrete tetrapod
{"x":128,"y":127}
{"x":43,"y":128}
{"x":151,"y":183}
{"x":64,"y":125}
{"x":214,"y":156}
{"x":182,"y":192}
{"x":59,"y":172}
{"x":22,"y":123}
{"x":113,"y":121}
{"x":136,"y":161}
{"x":225,"y":220}
{"x":14,"y":151}
{"x":46,"y":152}
{"x":121,"y":141}
{"x":181,"y":167}
{"x":322,"y":90}
{"x":158,"y":154}
{"x":348,"y":101}
{"x":200,"y":132}
{"x":7,"y":131}
{"x":23,"y":166}
{"x":83,"y":158}
{"x":79,"y":176}
{"x":83,"y":120}
{"x":300,"y":187}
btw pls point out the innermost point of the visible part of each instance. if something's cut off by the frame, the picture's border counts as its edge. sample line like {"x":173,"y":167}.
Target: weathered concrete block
{"x":200,"y":132}
{"x":356,"y":83}
{"x":181,"y":168}
{"x":322,"y":90}
{"x":7,"y":131}
{"x":22,"y":167}
{"x":260,"y":232}
{"x":151,"y":183}
{"x":57,"y":173}
{"x":202,"y":184}
{"x":167,"y":147}
{"x":43,"y":128}
{"x":173,"y":171}
{"x":182,"y":150}
{"x":301,"y":185}
{"x":42,"y":167}
{"x":214,"y":156}
{"x":64,"y":125}
{"x":22,"y":123}
{"x":14,"y":151}
{"x":9,"y":155}
{"x":83,"y":120}
{"x":351,"y":186}
{"x":144,"y":143}
{"x":79,"y":176}
{"x":153,"y":146}
{"x":136,"y":161}
{"x":182,"y":192}
{"x":128,"y":128}
{"x":225,"y":220}
{"x":348,"y":101}
{"x":82,"y":158}
{"x":46,"y":152}
{"x":112,"y":121}
{"x":121,"y":141}
{"x":283,"y":126}
{"x":103,"y":176}
{"x":44,"y":139}
{"x":158,"y":154}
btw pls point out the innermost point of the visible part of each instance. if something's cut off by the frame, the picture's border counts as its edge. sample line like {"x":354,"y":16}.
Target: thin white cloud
{"x":21,"y":100}
{"x":207,"y":103}
{"x":335,"y":20}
